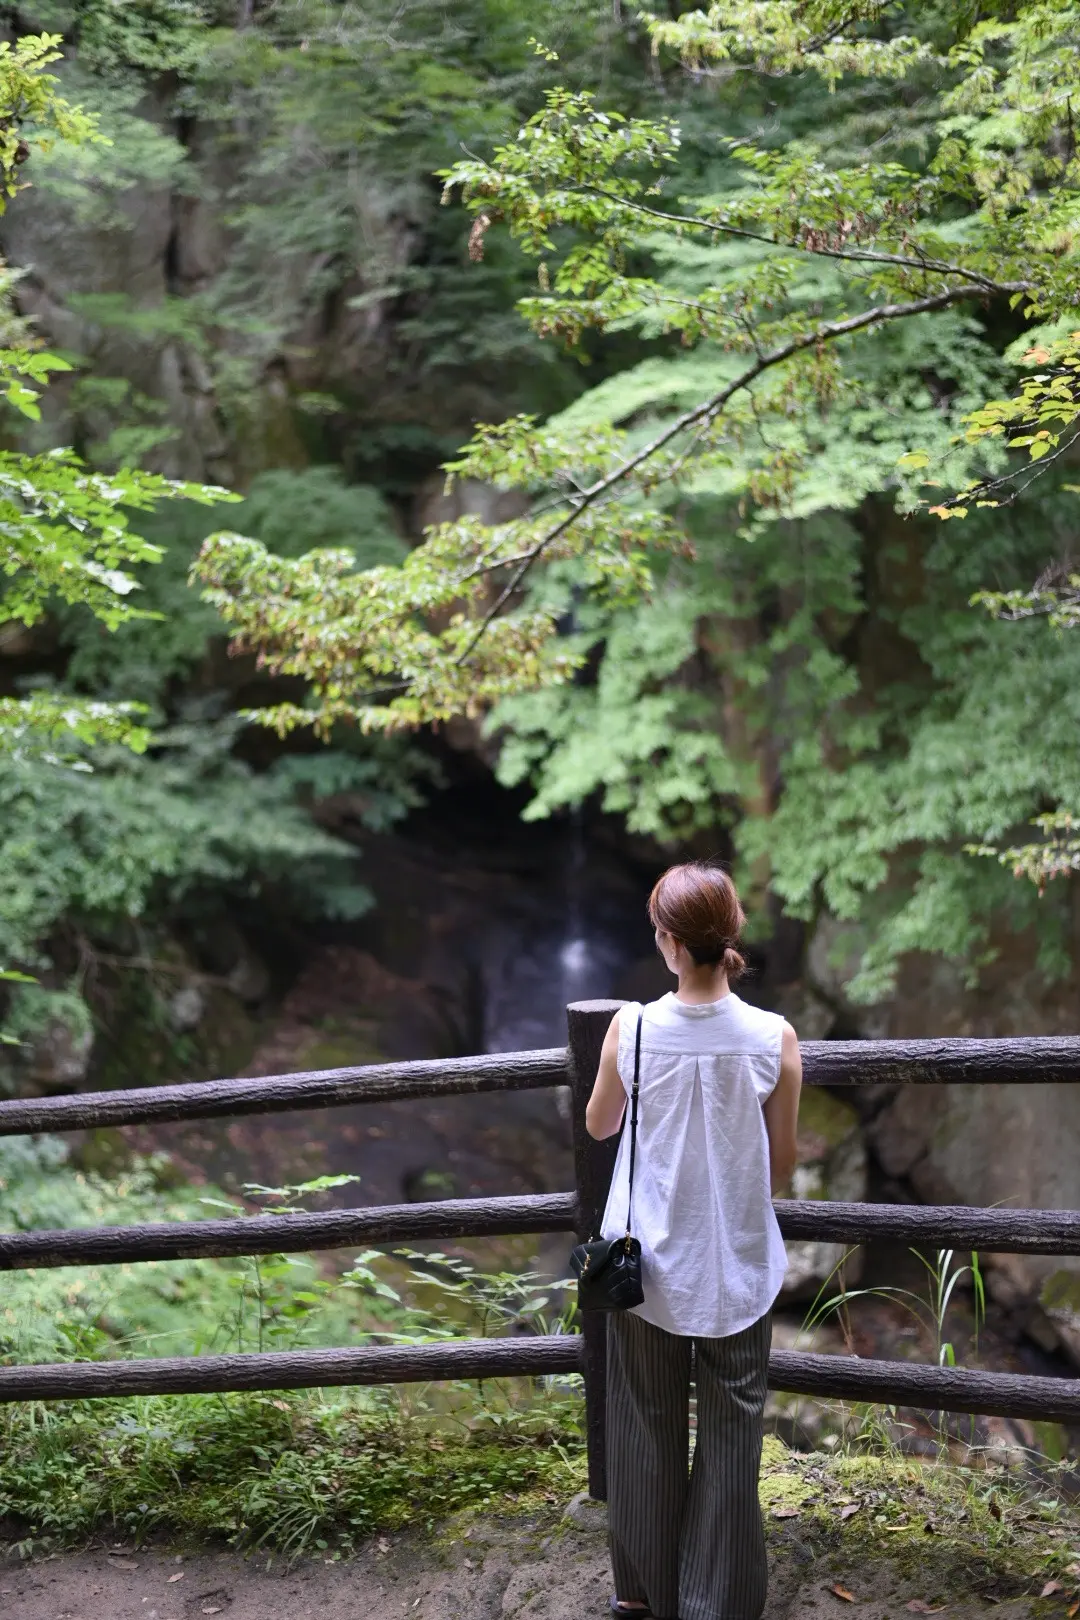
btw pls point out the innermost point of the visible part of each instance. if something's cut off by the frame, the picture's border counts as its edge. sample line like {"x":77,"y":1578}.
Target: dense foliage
{"x":819,"y":333}
{"x":300,"y":141}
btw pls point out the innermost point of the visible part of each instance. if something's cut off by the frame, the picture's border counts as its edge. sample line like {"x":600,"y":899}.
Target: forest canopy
{"x":766,"y":314}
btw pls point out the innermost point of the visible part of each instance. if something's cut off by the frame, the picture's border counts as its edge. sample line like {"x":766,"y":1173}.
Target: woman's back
{"x":712,"y":1255}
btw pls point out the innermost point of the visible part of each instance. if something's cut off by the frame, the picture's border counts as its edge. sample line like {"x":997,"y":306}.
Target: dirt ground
{"x":500,"y":1570}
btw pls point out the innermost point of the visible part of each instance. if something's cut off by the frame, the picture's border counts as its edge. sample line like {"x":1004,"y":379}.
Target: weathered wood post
{"x":593,"y":1164}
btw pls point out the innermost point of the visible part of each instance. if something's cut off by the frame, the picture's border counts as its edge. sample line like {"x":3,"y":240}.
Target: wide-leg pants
{"x":688,"y":1541}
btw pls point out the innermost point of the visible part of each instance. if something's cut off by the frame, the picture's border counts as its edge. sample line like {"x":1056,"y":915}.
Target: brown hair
{"x":699,"y":907}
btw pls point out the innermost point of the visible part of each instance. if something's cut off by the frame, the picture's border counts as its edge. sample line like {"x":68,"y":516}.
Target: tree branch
{"x":827,"y":332}
{"x":856,"y":256}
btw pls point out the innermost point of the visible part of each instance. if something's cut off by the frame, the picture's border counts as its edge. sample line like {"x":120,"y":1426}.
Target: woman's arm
{"x":781,"y":1110}
{"x":604,"y":1113}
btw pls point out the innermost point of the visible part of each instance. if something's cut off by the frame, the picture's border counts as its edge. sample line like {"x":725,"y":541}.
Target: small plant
{"x":930,"y":1313}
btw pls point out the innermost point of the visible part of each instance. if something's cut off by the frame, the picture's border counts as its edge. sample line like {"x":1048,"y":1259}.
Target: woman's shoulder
{"x":759,"y":1021}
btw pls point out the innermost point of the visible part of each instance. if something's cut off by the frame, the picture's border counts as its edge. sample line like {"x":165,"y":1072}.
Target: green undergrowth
{"x":260,"y":1303}
{"x":292,"y":1472}
{"x":953,"y":1530}
{"x":318,"y":1472}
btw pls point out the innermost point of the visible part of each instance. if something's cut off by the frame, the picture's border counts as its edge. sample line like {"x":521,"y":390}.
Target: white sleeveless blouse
{"x":712,"y":1256}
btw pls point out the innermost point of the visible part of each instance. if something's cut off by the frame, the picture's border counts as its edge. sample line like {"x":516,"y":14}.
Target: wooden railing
{"x":834,"y":1063}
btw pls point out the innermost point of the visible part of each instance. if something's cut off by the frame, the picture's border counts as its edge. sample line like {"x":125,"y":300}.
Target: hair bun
{"x":698,"y":906}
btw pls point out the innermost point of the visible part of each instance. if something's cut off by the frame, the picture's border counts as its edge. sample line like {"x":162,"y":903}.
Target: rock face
{"x":984,"y":1145}
{"x":118,"y":246}
{"x":1007,"y":1145}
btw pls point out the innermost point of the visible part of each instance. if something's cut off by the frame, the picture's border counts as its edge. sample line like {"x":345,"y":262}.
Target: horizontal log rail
{"x":928,"y":1388}
{"x":895,"y":1383}
{"x":1042,"y":1059}
{"x":999,"y":1231}
{"x":282,"y":1093}
{"x":295,"y":1369}
{"x":1034,"y":1060}
{"x":289,"y":1234}
{"x":940,"y":1226}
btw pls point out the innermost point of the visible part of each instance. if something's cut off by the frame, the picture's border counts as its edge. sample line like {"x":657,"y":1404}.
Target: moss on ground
{"x":959,"y":1531}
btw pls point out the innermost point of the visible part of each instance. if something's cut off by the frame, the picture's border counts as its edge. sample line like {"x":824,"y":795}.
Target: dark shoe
{"x":643,"y":1613}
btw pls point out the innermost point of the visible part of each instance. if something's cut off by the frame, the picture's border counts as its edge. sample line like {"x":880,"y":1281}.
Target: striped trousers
{"x":688,"y":1541}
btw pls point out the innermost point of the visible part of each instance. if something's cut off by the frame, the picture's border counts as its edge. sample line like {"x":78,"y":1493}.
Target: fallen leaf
{"x":995,"y":1508}
{"x":122,"y":1563}
{"x":1072,"y":1569}
{"x":842,"y":1592}
{"x":852,"y":1507}
{"x":918,"y":1606}
{"x":282,"y":1406}
{"x":177,"y":1577}
{"x":1050,"y":1588}
{"x":785,"y":1513}
{"x":1073,"y":1611}
{"x":436,"y":1445}
{"x":383,"y":1544}
{"x":469,"y":1563}
{"x":213,"y":1609}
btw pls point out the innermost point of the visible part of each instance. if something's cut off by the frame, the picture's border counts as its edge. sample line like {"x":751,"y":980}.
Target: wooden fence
{"x":832,"y":1063}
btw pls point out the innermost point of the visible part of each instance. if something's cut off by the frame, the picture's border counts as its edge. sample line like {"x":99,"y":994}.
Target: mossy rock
{"x":1059,"y":1297}
{"x":1061,"y":1292}
{"x":825,"y":1116}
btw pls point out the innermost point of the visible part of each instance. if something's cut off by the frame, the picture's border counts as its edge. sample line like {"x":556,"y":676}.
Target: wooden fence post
{"x":593,"y":1164}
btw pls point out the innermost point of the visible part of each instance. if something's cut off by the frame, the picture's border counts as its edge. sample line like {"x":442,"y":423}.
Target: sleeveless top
{"x":712,"y":1256}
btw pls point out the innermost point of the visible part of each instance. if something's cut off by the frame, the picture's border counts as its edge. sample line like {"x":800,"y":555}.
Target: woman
{"x":718,"y":1106}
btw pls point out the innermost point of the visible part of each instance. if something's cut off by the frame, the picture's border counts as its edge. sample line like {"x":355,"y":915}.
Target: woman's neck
{"x":698,"y":985}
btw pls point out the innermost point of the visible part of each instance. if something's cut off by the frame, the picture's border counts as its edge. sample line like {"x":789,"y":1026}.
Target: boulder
{"x":58,"y":1058}
{"x":186,"y":1007}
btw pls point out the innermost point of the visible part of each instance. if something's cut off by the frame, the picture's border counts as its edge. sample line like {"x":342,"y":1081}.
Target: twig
{"x":1037,"y":469}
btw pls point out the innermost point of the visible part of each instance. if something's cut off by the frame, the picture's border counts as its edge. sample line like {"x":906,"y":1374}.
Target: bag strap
{"x":633,"y":1117}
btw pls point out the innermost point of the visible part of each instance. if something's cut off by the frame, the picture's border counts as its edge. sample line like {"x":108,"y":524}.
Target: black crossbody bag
{"x":608,"y":1270}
